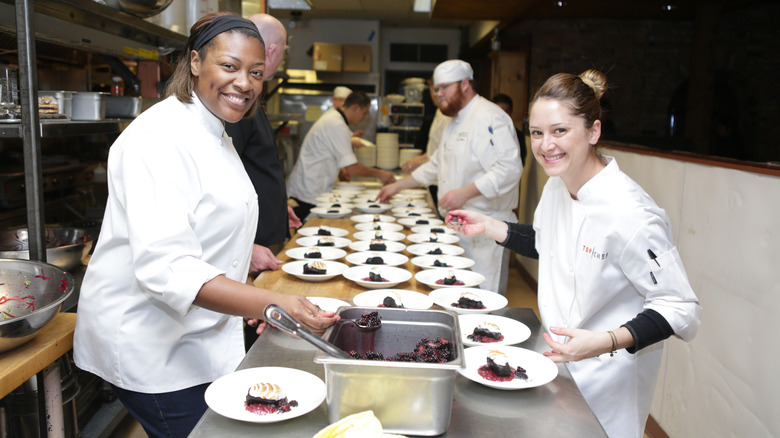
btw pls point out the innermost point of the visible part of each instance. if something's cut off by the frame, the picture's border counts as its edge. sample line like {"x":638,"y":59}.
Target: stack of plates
{"x":387,"y":150}
{"x":367,"y":154}
{"x":405,"y":155}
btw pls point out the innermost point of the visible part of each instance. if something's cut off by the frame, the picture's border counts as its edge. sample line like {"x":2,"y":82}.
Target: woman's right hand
{"x":471,"y":223}
{"x":307,"y":313}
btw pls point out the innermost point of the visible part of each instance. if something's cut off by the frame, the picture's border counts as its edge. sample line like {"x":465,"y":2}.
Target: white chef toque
{"x":341,"y":92}
{"x":452,"y":71}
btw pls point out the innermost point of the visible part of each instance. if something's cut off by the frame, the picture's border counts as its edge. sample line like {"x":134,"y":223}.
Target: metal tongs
{"x":279,"y":318}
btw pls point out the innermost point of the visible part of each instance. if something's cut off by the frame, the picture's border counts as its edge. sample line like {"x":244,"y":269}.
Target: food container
{"x":89,"y":106}
{"x":64,"y":100}
{"x":65,"y":247}
{"x":408,"y":397}
{"x":123,"y":107}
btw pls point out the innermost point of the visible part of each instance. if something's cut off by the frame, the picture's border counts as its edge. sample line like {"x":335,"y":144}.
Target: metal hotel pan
{"x":408,"y":397}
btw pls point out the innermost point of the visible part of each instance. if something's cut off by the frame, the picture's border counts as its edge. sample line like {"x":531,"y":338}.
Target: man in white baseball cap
{"x":477,"y":166}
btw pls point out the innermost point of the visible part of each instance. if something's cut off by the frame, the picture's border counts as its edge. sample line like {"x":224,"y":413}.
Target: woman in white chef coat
{"x":161,"y":305}
{"x":611,"y":283}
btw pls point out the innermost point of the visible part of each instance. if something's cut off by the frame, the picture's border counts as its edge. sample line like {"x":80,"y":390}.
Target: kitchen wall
{"x":724,"y":382}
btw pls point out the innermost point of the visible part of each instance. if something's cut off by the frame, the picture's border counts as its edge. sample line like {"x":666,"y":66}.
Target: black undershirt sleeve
{"x":521,"y":238}
{"x":648,"y":328}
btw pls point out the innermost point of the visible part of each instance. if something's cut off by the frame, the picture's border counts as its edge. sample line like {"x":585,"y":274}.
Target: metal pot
{"x":65,"y":247}
{"x":31,"y":293}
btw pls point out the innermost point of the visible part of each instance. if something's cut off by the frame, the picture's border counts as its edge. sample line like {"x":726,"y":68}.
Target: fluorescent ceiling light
{"x":298,"y":5}
{"x":422,"y":6}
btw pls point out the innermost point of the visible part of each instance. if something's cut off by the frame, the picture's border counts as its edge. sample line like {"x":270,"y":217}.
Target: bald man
{"x":255,"y":143}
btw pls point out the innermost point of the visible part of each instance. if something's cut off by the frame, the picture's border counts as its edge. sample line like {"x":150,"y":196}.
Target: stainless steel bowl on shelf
{"x":65,"y":247}
{"x":140,"y":8}
{"x":31,"y":293}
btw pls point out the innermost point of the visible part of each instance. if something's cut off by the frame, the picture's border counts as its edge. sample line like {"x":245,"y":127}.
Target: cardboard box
{"x":356,"y":58}
{"x":327,"y":57}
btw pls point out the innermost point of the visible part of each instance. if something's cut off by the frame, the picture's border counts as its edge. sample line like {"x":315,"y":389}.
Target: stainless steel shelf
{"x":88,"y":25}
{"x":55,"y":128}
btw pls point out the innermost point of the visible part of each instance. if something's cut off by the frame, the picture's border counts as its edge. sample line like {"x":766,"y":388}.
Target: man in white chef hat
{"x":340,"y":93}
{"x":477,"y":166}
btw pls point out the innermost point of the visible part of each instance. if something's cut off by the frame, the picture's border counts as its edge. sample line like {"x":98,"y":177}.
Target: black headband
{"x":220,"y":24}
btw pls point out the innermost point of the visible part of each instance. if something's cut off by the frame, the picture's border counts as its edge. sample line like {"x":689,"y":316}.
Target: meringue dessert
{"x":315,"y":268}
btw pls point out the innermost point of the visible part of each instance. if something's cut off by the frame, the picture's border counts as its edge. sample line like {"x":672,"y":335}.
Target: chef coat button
{"x":235,"y":264}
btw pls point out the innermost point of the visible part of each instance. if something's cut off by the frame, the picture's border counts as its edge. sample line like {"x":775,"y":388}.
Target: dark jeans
{"x":303,"y":209}
{"x":165,"y":415}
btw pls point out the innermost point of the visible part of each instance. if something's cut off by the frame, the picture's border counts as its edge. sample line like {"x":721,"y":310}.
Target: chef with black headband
{"x":162,"y":301}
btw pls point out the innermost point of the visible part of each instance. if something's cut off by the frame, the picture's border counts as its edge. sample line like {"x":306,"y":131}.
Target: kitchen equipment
{"x":279,"y":318}
{"x":406,"y":119}
{"x":64,"y":100}
{"x":411,"y":398}
{"x":31,"y":293}
{"x":123,"y":107}
{"x":142,"y":8}
{"x":9,"y":89}
{"x":89,"y":106}
{"x":387,"y":150}
{"x":65,"y":247}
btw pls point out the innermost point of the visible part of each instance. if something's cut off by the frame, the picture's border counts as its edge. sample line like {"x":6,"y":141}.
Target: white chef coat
{"x":594,"y":274}
{"x":436,"y":132}
{"x":479,"y":145}
{"x":181,"y":210}
{"x":325,"y":150}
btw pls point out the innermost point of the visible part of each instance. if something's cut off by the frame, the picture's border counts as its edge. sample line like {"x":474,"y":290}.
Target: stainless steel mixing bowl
{"x":65,"y":247}
{"x":31,"y":293}
{"x":142,"y":8}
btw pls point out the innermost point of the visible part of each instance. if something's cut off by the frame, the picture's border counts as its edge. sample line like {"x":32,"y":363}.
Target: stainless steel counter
{"x":553,"y":410}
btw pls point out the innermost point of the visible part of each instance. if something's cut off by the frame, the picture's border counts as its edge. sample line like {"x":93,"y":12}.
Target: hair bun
{"x":595,"y":80}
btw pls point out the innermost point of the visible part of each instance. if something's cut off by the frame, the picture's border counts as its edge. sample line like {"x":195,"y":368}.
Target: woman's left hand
{"x":582,"y":344}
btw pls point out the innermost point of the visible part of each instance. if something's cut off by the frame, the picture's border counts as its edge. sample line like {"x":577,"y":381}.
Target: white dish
{"x":413,"y":192}
{"x":409,"y":299}
{"x":338,"y":204}
{"x":440,"y":238}
{"x":312,"y":231}
{"x":454,"y":262}
{"x":373,"y":207}
{"x":343,"y":194}
{"x":331,"y":213}
{"x":390,"y":258}
{"x":364,"y":245}
{"x":328,"y":304}
{"x":328,"y":253}
{"x":394,"y":276}
{"x":445,"y":297}
{"x":514,"y":331}
{"x":333,"y":197}
{"x":370,"y":218}
{"x":332,"y":269}
{"x":408,"y":202}
{"x":540,"y":369}
{"x":395,"y":236}
{"x":227,"y":395}
{"x":384,"y":226}
{"x":430,"y":277}
{"x":410,"y":222}
{"x":338,"y":242}
{"x":416,"y":216}
{"x":421,"y":249}
{"x":407,"y":210}
{"x":427,"y":229}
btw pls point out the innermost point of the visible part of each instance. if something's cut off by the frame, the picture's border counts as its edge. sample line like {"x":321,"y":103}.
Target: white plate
{"x":343,"y":194}
{"x":390,"y":258}
{"x":407,"y":202}
{"x":328,"y":304}
{"x":331,"y":198}
{"x":426,"y":229}
{"x":421,"y":249}
{"x":395,"y":236}
{"x":413,"y":192}
{"x":332,"y":269}
{"x":328,"y":253}
{"x":431,"y":276}
{"x":409,"y":299}
{"x":227,"y":395}
{"x":513,"y":330}
{"x":441,"y":238}
{"x":384,"y":226}
{"x":405,"y":211}
{"x":312,"y":231}
{"x":370,"y":218}
{"x":364,"y":245}
{"x":394,"y":276}
{"x":331,"y":213}
{"x":415,"y":216}
{"x":540,"y":369}
{"x":373,"y":207}
{"x":444,"y":297}
{"x":338,"y":242}
{"x":455,"y":262}
{"x":410,"y":222}
{"x":337,"y":204}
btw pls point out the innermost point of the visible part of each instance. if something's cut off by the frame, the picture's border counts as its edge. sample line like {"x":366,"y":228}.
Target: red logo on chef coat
{"x":594,"y":253}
